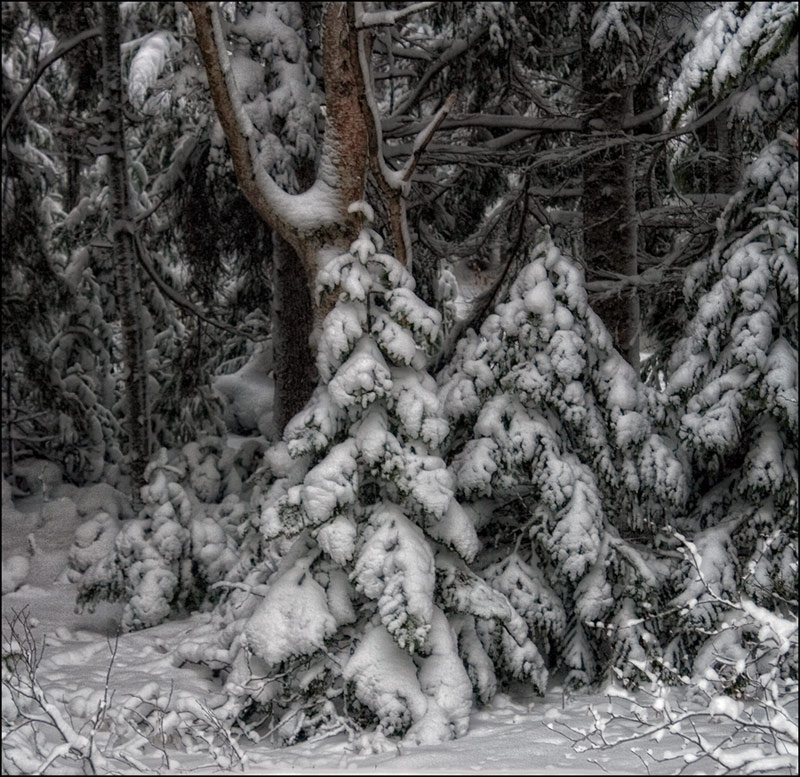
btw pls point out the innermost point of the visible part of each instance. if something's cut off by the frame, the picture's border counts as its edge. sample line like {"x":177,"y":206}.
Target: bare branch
{"x":457,"y":48}
{"x":425,"y":137}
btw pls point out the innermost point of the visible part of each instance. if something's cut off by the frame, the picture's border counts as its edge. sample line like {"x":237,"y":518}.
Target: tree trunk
{"x":121,"y":234}
{"x":610,"y":234}
{"x":292,"y":323}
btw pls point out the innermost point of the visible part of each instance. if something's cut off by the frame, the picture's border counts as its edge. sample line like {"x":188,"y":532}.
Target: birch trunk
{"x":121,"y":234}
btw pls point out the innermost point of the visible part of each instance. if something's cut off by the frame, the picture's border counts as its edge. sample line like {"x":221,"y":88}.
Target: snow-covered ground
{"x":529,"y":735}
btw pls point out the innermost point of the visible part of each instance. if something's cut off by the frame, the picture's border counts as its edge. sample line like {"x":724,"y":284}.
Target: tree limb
{"x":225,"y":104}
{"x":388,"y":18}
{"x":457,"y":48}
{"x":56,"y":54}
{"x":394,"y":185}
{"x":178,"y":298}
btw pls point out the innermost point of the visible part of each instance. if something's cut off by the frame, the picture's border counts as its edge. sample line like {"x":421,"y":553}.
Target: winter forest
{"x":395,"y":358}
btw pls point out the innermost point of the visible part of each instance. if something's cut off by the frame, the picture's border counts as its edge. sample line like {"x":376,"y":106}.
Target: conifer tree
{"x":367,"y":615}
{"x":568,"y":468}
{"x":733,"y":379}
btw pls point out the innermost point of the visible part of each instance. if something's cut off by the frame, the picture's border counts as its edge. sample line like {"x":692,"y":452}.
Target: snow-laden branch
{"x":53,"y":56}
{"x":387,"y":18}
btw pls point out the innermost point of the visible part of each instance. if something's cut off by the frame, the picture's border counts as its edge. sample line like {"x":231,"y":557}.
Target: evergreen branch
{"x":180,"y":300}
{"x":52,"y":57}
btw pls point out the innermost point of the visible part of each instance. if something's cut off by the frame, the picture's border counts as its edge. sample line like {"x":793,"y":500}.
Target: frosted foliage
{"x":396,"y":342}
{"x":422,"y":321}
{"x":415,"y":402}
{"x":544,"y":360}
{"x":712,"y":568}
{"x":740,"y":357}
{"x":634,"y":645}
{"x":575,"y":540}
{"x":726,"y":44}
{"x":344,"y":272}
{"x":373,"y":504}
{"x":362,"y":379}
{"x":212,"y":548}
{"x":312,"y":429}
{"x":579,"y":658}
{"x":464,"y":592}
{"x":479,"y":665}
{"x":331,"y":485}
{"x":427,"y":485}
{"x":612,"y":19}
{"x":93,"y":542}
{"x":380,"y":449}
{"x":340,"y":595}
{"x":662,"y":473}
{"x":395,"y":566}
{"x":384,"y":679}
{"x":338,"y":538}
{"x":475,"y":467}
{"x":281,"y":108}
{"x":293,"y":619}
{"x":529,"y":594}
{"x":523,"y":661}
{"x":566,"y":449}
{"x":342,"y":329}
{"x":148,"y":63}
{"x":768,"y":464}
{"x":456,"y":530}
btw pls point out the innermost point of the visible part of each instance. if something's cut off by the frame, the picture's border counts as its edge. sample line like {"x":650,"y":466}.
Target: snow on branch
{"x":288,"y":214}
{"x":425,"y":137}
{"x":53,"y":56}
{"x":387,"y":18}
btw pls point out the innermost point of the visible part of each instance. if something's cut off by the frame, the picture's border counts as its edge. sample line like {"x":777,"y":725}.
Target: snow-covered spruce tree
{"x":733,"y":378}
{"x":358,"y":608}
{"x":568,"y":476}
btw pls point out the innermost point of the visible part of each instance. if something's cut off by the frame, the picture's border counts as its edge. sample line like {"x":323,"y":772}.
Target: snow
{"x":396,"y":567}
{"x":148,"y":63}
{"x":248,"y":395}
{"x":292,"y":619}
{"x":518,"y":734}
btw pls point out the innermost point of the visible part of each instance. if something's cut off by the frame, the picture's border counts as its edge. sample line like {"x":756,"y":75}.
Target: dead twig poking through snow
{"x":38,"y":732}
{"x":738,"y":711}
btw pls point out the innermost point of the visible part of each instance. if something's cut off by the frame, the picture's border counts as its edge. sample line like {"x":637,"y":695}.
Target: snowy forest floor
{"x":529,"y":735}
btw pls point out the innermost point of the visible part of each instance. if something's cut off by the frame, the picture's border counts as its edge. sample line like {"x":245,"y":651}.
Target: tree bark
{"x":297,"y":315}
{"x":292,"y":324}
{"x":122,"y":236}
{"x":610,"y":233}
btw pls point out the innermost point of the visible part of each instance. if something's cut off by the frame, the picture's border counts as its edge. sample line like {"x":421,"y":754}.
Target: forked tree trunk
{"x":121,"y":234}
{"x":297,"y":316}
